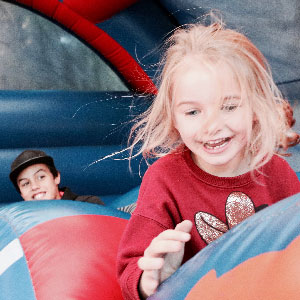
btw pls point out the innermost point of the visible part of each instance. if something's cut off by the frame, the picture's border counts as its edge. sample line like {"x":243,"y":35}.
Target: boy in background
{"x":35,"y":177}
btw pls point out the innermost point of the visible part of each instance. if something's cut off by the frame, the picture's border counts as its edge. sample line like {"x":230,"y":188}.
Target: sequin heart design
{"x":238,"y":207}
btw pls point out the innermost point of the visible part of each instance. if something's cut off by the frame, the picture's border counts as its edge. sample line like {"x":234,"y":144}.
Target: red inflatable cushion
{"x":74,"y":257}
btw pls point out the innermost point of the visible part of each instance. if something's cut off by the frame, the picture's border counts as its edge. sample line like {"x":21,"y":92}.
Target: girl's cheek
{"x":238,"y":121}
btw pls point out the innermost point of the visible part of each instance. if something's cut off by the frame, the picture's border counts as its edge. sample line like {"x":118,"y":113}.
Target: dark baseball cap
{"x":26,"y":159}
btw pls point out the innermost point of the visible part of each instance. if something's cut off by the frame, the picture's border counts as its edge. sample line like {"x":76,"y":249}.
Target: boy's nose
{"x":35,"y":185}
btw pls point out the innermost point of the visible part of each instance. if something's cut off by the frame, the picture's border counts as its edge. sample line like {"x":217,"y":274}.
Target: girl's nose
{"x":213,"y":123}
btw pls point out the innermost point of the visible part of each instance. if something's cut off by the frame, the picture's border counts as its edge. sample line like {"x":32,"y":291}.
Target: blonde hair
{"x":154,"y":131}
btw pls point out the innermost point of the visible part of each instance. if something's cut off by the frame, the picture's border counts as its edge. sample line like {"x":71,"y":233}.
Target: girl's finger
{"x":150,"y":263}
{"x":174,"y":234}
{"x":148,"y":283}
{"x":184,"y":226}
{"x":158,"y":248}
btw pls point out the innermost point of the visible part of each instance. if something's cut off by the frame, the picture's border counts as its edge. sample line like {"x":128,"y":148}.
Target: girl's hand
{"x":163,"y":257}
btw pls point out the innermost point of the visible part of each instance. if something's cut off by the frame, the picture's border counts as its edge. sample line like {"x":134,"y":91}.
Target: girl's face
{"x":211,"y":118}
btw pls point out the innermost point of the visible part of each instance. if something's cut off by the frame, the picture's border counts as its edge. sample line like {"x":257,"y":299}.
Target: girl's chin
{"x":219,"y":165}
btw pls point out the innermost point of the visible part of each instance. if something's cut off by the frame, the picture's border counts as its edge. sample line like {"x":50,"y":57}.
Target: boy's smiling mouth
{"x":39,"y":196}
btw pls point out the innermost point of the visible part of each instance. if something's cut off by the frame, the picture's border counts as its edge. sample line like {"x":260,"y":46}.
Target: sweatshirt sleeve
{"x":137,"y":237}
{"x":154,"y":213}
{"x":285,"y":182}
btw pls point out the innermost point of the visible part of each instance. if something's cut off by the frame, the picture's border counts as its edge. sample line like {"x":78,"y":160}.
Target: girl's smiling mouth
{"x":217,"y":144}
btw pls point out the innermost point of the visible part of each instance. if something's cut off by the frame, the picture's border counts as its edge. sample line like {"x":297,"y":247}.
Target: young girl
{"x":217,"y":123}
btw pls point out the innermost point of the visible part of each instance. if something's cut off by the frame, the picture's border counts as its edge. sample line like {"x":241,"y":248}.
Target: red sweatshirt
{"x":174,"y":189}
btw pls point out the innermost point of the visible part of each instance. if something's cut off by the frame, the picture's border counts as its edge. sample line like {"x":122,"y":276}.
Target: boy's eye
{"x":41,"y":177}
{"x":23,"y":184}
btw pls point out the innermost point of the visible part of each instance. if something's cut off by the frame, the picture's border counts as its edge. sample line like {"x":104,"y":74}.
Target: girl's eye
{"x":192,"y":112}
{"x":41,"y":177}
{"x":229,"y":107}
{"x":24,"y":184}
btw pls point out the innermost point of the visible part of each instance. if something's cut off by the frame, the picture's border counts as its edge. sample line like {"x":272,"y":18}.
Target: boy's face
{"x":36,"y":182}
{"x":211,"y":119}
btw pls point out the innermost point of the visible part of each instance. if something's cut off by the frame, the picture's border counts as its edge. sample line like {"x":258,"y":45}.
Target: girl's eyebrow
{"x":191,"y":102}
{"x":187,"y":102}
{"x":233,"y":97}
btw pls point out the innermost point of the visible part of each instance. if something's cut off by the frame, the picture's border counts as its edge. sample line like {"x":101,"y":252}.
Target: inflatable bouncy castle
{"x":59,"y":252}
{"x":74,"y":74}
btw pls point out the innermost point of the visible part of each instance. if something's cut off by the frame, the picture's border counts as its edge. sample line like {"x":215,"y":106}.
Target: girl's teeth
{"x":217,"y":143}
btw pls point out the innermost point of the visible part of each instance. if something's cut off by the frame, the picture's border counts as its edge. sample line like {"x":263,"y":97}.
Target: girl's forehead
{"x":200,"y":78}
{"x":205,"y":64}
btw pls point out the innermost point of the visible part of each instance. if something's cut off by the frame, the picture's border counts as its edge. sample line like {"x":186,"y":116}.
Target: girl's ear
{"x":174,"y":125}
{"x":289,"y":114}
{"x":254,"y":118}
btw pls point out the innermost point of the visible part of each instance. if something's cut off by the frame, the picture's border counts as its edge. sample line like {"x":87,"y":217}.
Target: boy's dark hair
{"x":28,"y":158}
{"x":53,"y":171}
